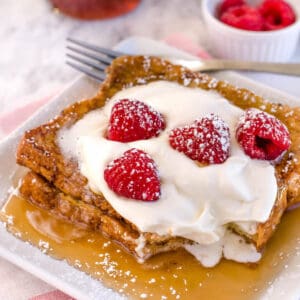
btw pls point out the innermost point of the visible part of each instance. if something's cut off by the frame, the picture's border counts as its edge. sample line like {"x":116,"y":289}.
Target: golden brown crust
{"x":38,"y":149}
{"x":265,"y":230}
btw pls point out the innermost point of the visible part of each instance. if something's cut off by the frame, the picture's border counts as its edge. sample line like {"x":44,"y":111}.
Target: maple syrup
{"x":94,"y":9}
{"x":174,"y":275}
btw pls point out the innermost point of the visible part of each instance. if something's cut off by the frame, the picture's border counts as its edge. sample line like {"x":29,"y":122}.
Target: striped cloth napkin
{"x":11,"y":120}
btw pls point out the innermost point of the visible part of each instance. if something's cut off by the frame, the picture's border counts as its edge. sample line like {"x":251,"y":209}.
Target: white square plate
{"x":59,"y":273}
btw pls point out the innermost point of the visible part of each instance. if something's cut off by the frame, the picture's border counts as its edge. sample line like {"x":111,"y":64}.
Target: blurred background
{"x":33,"y":34}
{"x":33,"y":39}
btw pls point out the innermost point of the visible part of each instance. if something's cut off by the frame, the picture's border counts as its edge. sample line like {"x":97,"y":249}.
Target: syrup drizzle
{"x":174,"y":275}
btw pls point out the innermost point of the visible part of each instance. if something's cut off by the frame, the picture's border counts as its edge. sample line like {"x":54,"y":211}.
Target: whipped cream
{"x":231,"y":246}
{"x":196,"y":202}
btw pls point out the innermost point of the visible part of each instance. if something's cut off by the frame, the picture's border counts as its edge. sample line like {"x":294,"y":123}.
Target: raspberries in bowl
{"x":265,"y":30}
{"x":268,"y":15}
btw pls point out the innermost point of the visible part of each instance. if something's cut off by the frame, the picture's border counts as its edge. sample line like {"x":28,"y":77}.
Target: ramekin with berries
{"x":266,"y":30}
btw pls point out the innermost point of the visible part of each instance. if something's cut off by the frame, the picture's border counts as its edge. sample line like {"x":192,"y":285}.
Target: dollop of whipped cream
{"x":196,"y":202}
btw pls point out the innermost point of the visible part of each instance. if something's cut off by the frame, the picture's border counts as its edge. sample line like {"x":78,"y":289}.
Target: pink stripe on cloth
{"x":54,"y":295}
{"x":11,"y":120}
{"x":182,"y":42}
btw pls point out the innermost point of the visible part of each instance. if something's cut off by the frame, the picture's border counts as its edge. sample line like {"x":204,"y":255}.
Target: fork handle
{"x":281,"y":68}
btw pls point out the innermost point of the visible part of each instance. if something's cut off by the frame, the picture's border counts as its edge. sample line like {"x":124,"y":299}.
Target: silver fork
{"x":93,"y":60}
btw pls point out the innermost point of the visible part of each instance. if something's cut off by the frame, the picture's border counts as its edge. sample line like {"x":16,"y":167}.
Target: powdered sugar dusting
{"x":133,"y":175}
{"x":261,"y":135}
{"x":134,"y":120}
{"x":206,"y":140}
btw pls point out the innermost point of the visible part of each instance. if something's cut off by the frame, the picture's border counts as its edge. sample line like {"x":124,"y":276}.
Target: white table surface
{"x":32,"y":66}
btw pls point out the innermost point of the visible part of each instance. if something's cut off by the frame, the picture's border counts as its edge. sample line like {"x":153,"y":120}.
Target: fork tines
{"x":92,"y":59}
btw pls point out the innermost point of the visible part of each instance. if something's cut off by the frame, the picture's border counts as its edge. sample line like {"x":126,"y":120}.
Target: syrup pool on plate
{"x":174,"y":275}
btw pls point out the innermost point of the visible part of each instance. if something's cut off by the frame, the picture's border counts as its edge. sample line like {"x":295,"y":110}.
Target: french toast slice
{"x":39,"y":151}
{"x":38,"y":191}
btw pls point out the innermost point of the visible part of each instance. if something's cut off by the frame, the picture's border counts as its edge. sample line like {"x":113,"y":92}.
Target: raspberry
{"x":225,"y":4}
{"x":261,"y":135}
{"x":277,"y":14}
{"x":133,"y":175}
{"x":205,"y":140}
{"x":133,"y":120}
{"x":243,"y":17}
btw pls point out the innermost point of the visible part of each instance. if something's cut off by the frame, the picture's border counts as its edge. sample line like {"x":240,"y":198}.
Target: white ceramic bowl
{"x":232,"y":43}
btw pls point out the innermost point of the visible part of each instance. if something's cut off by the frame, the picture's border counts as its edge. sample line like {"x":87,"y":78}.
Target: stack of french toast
{"x":55,"y":183}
